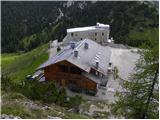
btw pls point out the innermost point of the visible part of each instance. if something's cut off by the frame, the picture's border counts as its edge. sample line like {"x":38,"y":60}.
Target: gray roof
{"x":99,"y":26}
{"x":95,"y":78}
{"x":62,"y":55}
{"x":86,"y":57}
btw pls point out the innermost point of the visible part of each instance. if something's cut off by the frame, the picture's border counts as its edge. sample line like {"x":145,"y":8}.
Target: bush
{"x":7,"y":84}
{"x":74,"y":101}
{"x":47,"y":92}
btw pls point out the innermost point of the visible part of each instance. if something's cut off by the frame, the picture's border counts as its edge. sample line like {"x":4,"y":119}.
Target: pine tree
{"x":141,"y":96}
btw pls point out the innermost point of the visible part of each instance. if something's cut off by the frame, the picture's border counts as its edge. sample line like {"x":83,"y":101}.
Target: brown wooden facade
{"x":66,"y":73}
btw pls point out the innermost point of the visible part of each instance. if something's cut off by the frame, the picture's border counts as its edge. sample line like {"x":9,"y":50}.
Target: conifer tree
{"x":141,"y":96}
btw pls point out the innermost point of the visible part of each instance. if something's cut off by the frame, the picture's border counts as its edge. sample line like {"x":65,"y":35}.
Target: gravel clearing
{"x":124,"y":60}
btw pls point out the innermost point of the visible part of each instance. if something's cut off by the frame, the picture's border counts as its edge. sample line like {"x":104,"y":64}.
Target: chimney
{"x":86,"y":45}
{"x":97,"y":64}
{"x":109,"y":67}
{"x":72,"y":45}
{"x":97,"y":25}
{"x":76,"y":53}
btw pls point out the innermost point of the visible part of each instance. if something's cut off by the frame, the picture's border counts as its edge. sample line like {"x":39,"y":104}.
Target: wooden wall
{"x":54,"y":72}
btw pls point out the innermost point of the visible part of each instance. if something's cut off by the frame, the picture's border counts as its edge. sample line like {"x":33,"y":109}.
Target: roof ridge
{"x":81,"y":43}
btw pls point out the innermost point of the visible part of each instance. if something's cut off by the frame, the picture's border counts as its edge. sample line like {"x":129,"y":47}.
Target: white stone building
{"x":98,"y":33}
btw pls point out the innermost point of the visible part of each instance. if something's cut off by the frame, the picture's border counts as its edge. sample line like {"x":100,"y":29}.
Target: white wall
{"x":90,"y":34}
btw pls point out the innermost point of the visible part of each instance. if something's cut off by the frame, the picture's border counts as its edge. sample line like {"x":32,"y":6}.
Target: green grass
{"x":17,"y":66}
{"x":16,"y":110}
{"x":8,"y":58}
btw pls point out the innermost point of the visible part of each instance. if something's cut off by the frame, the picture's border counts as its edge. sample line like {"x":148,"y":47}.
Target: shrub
{"x":7,"y":84}
{"x":47,"y":92}
{"x":74,"y":101}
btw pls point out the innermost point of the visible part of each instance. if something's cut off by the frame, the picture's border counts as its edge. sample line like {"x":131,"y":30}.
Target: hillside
{"x":27,"y":28}
{"x":28,"y":109}
{"x":18,"y":65}
{"x":34,"y":21}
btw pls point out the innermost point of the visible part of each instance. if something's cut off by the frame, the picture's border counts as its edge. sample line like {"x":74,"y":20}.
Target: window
{"x":95,"y":34}
{"x":63,"y":68}
{"x":72,"y":34}
{"x":102,"y":34}
{"x":95,"y":39}
{"x":81,"y":38}
{"x":75,"y":70}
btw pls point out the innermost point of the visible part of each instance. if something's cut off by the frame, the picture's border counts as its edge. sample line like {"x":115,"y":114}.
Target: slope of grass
{"x":17,"y":66}
{"x":8,"y":58}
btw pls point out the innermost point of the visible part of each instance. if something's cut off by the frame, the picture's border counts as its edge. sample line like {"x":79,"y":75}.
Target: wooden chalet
{"x":81,"y":66}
